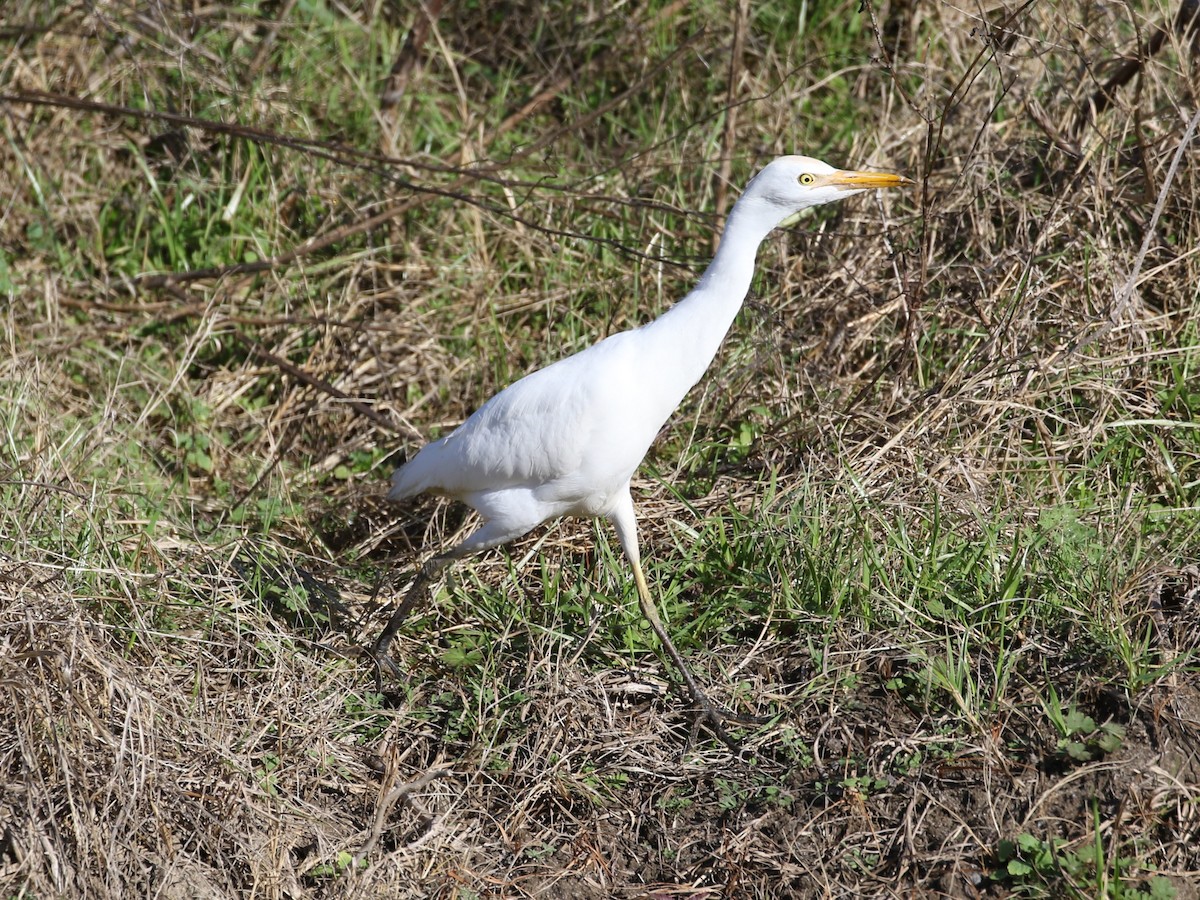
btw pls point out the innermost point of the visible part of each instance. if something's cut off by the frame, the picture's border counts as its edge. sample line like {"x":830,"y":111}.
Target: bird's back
{"x":578,"y":426}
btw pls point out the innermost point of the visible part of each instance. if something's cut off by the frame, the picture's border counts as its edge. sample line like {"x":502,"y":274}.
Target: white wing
{"x":577,"y":421}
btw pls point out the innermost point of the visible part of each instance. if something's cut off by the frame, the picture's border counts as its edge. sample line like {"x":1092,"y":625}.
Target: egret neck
{"x":687,"y":336}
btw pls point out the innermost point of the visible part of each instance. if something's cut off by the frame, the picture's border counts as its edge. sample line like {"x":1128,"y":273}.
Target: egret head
{"x":794,"y":183}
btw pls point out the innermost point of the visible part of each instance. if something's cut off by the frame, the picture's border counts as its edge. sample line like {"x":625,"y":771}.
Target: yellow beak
{"x":865,"y":181}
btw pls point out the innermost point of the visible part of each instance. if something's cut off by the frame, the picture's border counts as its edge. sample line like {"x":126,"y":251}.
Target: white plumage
{"x":567,"y":439}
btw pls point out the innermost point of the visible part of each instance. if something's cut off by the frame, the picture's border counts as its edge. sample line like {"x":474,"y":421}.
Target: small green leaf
{"x":200,"y":460}
{"x":1162,"y":889}
{"x":1028,"y":843}
{"x":461,"y":657}
{"x":1111,"y":737}
{"x":1079,"y":723}
{"x":1078,"y":751}
{"x":6,"y":282}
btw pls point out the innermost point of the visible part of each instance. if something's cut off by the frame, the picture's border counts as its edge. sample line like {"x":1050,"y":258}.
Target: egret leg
{"x":430,"y":569}
{"x":489,"y":535}
{"x":624,"y":520}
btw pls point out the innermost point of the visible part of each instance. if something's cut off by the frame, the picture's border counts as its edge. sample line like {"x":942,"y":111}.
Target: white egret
{"x":566,"y":440}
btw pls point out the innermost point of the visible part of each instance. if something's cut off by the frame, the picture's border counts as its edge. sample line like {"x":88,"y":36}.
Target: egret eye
{"x":806,"y":179}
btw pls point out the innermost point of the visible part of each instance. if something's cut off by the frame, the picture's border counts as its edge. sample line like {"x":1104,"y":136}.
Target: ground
{"x":929,"y":525}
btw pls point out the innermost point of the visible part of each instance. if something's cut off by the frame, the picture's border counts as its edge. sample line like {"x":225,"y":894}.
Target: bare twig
{"x":386,"y":802}
{"x":410,"y":53}
{"x":1186,"y":23}
{"x":729,"y":135}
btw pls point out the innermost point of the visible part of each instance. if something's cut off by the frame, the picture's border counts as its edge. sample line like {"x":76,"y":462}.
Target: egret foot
{"x":416,"y":592}
{"x":710,"y":713}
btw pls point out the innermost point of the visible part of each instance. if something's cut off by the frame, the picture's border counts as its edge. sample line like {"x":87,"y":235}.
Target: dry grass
{"x":938,"y":493}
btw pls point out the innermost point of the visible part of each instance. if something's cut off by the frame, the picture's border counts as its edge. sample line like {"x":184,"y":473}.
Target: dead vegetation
{"x":933,"y":511}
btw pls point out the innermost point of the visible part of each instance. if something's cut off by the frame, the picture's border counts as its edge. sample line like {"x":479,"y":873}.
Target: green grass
{"x":911,"y":520}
